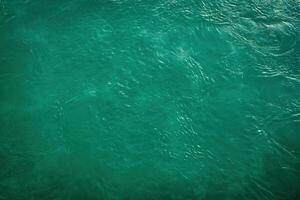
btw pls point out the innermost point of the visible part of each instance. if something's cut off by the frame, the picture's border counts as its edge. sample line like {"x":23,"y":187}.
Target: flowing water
{"x":160,"y":99}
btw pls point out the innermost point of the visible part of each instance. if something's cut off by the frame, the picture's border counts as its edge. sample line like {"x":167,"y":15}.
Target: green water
{"x":161,"y":99}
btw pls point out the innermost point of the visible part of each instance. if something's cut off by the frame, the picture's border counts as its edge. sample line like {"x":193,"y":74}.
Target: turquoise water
{"x":162,"y":99}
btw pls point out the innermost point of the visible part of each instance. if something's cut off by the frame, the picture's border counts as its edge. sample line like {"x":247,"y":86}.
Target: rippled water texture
{"x":161,"y":99}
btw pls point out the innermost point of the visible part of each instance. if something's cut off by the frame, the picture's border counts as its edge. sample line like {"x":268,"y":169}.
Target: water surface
{"x":162,"y":99}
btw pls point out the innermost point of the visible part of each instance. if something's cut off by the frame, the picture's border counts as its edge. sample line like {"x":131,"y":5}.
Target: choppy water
{"x":162,"y":99}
